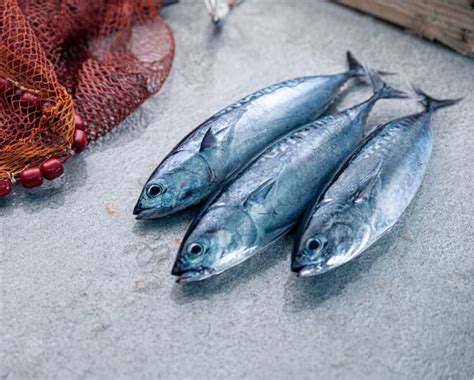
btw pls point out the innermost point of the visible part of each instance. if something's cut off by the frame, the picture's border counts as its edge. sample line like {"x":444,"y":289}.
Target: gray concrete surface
{"x":87,"y":291}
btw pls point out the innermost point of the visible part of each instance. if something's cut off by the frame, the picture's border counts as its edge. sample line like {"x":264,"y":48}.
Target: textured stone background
{"x":87,"y":291}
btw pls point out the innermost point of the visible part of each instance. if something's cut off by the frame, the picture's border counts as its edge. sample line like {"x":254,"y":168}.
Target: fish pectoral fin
{"x":213,"y":178}
{"x":260,"y":194}
{"x":224,"y":129}
{"x":213,"y":139}
{"x":209,"y":140}
{"x":365,"y":190}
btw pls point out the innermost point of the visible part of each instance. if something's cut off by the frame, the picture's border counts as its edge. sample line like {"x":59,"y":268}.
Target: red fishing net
{"x":99,"y":59}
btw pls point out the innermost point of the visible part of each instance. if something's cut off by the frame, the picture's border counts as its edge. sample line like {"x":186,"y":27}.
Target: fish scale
{"x":369,"y":194}
{"x":266,"y":199}
{"x":200,"y":163}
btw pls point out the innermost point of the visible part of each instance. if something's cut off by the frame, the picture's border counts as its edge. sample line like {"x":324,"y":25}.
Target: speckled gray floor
{"x":87,"y":291}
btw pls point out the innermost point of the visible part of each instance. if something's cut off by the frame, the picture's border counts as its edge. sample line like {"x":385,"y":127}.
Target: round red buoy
{"x":5,"y":85}
{"x":80,"y":141}
{"x":31,"y":177}
{"x":29,"y":99}
{"x":5,"y":187}
{"x":79,"y":121}
{"x":52,"y":169}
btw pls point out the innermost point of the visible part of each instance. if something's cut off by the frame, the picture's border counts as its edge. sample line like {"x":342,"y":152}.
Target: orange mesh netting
{"x":97,"y":58}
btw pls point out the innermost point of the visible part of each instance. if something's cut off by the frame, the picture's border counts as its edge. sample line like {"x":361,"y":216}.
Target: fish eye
{"x":195,"y":249}
{"x":155,"y":190}
{"x":314,"y":245}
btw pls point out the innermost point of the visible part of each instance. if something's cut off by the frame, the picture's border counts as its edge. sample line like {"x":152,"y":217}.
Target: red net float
{"x":99,"y":59}
{"x":31,"y":177}
{"x":80,"y":141}
{"x":52,"y":168}
{"x":5,"y":187}
{"x":79,"y":122}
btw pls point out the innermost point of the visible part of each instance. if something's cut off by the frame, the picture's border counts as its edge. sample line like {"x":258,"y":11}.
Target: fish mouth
{"x":193,"y":276}
{"x":310,"y":270}
{"x":307,"y":271}
{"x":146,"y":214}
{"x":150,"y":213}
{"x":137,"y":209}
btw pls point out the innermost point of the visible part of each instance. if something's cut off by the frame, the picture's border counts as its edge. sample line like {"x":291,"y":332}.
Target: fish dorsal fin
{"x":259,"y":195}
{"x":365,"y":189}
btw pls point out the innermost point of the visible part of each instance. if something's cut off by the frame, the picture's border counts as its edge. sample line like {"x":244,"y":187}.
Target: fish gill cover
{"x":96,"y":59}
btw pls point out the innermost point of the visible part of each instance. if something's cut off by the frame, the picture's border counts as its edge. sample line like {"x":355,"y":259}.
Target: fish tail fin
{"x":381,"y":89}
{"x":357,"y":69}
{"x":431,"y":104}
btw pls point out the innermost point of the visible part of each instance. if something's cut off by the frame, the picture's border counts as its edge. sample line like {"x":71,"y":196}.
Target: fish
{"x":265,"y":199}
{"x":369,"y":194}
{"x":196,"y":167}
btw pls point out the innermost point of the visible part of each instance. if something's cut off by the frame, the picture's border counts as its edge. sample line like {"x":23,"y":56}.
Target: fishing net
{"x":67,"y":62}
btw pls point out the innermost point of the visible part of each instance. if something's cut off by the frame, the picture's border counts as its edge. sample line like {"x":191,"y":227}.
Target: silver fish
{"x":267,"y":198}
{"x":370,"y":193}
{"x":203,"y":159}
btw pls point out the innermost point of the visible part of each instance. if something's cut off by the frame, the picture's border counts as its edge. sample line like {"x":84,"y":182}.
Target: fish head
{"x":181,"y":181}
{"x":334,"y":234}
{"x":220,"y":240}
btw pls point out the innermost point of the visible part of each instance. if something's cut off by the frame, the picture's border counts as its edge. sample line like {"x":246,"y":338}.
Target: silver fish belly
{"x":268,"y":197}
{"x":197,"y":165}
{"x":368,"y":196}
